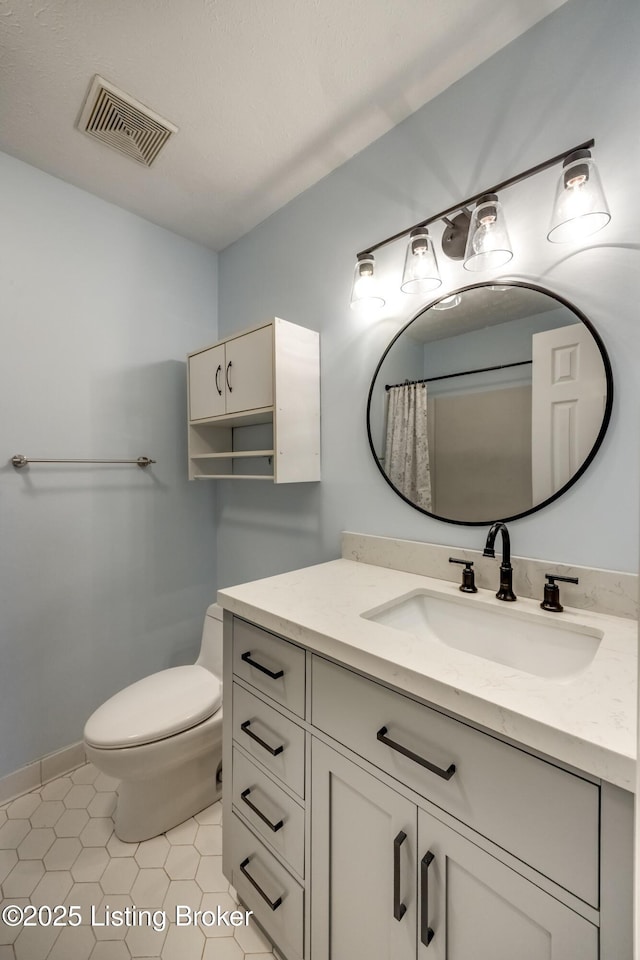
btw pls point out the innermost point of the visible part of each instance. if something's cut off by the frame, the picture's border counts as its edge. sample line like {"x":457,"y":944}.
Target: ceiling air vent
{"x":123,"y":123}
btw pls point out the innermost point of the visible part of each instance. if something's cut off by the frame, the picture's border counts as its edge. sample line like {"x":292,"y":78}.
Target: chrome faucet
{"x":506,"y":570}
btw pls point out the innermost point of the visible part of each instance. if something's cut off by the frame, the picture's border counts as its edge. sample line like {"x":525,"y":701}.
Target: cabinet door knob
{"x":226,"y":375}
{"x":218,"y":372}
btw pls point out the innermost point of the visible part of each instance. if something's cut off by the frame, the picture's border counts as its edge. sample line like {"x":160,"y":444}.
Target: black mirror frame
{"x":601,"y":433}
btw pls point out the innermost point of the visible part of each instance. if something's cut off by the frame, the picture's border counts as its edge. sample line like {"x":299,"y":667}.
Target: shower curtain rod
{"x":462,"y":373}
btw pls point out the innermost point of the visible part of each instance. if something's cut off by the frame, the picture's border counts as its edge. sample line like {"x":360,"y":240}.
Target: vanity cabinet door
{"x":363,"y":854}
{"x":472,"y":907}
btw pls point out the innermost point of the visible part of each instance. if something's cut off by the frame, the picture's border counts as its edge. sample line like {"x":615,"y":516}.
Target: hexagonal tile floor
{"x":57,"y":847}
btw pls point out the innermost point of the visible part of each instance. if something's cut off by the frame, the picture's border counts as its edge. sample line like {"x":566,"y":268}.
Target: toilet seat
{"x":154,"y":708}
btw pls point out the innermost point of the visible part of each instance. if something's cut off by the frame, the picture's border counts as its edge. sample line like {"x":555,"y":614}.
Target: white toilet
{"x":162,"y":738}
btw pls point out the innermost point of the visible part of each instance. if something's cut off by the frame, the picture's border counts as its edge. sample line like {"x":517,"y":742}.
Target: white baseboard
{"x":41,"y":771}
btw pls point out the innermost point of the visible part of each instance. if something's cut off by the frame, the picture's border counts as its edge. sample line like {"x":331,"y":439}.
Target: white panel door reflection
{"x":567,"y":403}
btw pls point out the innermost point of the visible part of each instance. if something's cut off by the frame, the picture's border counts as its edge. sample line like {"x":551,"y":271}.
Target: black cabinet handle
{"x":253,"y":663}
{"x":230,"y":388}
{"x":426,"y":933}
{"x":272,"y":826}
{"x":399,"y":908}
{"x":273,"y":904}
{"x":218,"y":372}
{"x":274,"y":751}
{"x":445,"y":774}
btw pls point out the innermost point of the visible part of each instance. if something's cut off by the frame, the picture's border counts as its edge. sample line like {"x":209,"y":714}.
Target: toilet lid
{"x":155,"y":707}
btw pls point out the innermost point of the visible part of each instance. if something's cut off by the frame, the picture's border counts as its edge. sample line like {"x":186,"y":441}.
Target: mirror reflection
{"x":489,"y":403}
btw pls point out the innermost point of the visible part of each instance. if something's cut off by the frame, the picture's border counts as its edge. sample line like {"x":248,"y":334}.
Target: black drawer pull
{"x":445,"y":774}
{"x":399,"y":909}
{"x":253,"y":663}
{"x":426,"y":933}
{"x":230,"y":388}
{"x":274,"y":751}
{"x":218,"y":372}
{"x":273,"y":904}
{"x":272,"y":826}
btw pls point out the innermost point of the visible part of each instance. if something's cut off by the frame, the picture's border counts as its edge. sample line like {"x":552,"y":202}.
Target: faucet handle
{"x":468,"y":584}
{"x":552,"y":592}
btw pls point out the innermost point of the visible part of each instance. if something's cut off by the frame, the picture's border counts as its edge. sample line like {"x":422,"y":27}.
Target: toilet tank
{"x":211,"y":645}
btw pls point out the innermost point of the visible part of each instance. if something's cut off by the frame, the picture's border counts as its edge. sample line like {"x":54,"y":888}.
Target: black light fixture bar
{"x":465,"y":203}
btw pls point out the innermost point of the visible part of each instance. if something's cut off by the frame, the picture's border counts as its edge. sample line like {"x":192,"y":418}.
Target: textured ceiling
{"x":269,"y":95}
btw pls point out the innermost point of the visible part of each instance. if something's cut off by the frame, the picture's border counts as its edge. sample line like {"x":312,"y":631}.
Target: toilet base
{"x":165,"y":782}
{"x":147,"y":808}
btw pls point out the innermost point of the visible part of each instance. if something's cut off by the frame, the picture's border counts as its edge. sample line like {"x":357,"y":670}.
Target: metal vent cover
{"x":123,"y":123}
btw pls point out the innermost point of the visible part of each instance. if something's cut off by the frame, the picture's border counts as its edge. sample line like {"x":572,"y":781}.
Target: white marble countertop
{"x":587,"y":721}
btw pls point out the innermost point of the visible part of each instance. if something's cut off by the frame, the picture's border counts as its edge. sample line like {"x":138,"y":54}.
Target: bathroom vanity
{"x":388,"y":795}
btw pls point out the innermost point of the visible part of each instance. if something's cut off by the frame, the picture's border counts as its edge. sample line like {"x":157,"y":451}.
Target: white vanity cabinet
{"x":267,"y":379}
{"x":388,"y":878}
{"x":381,"y":828}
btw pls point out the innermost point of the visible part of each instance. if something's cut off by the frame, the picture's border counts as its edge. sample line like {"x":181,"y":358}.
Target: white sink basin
{"x":514,"y":637}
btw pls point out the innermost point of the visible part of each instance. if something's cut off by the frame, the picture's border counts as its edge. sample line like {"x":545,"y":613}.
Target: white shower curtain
{"x":407,"y":447}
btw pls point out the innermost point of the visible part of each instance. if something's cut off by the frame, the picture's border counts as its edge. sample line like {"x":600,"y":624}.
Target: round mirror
{"x":490,"y":403}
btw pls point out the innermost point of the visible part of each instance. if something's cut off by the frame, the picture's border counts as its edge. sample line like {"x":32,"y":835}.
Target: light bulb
{"x":488,"y":244}
{"x":580,"y":207}
{"x":364,"y":291}
{"x":484,"y":240}
{"x":421,"y":272}
{"x":364,"y":287}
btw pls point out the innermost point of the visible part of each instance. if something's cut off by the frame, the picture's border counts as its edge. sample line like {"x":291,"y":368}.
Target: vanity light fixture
{"x":488,"y":244}
{"x":421,"y":273}
{"x":580,"y":208}
{"x":481,"y":238}
{"x":364,"y":290}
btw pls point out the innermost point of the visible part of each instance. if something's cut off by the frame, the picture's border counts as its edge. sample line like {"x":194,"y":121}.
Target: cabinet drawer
{"x":272,"y":656}
{"x":541,"y":814}
{"x":260,"y":800}
{"x":269,"y":890}
{"x":274,"y":740}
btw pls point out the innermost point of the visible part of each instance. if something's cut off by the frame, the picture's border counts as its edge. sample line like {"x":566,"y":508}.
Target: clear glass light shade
{"x":580,"y":207}
{"x":365,"y":295}
{"x":421,"y":272}
{"x":488,"y":244}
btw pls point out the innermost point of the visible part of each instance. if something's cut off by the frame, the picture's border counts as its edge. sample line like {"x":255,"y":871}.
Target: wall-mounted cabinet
{"x":267,"y":378}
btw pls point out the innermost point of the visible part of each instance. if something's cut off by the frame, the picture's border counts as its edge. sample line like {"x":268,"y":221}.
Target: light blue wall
{"x":105,"y":572}
{"x":573,"y":76}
